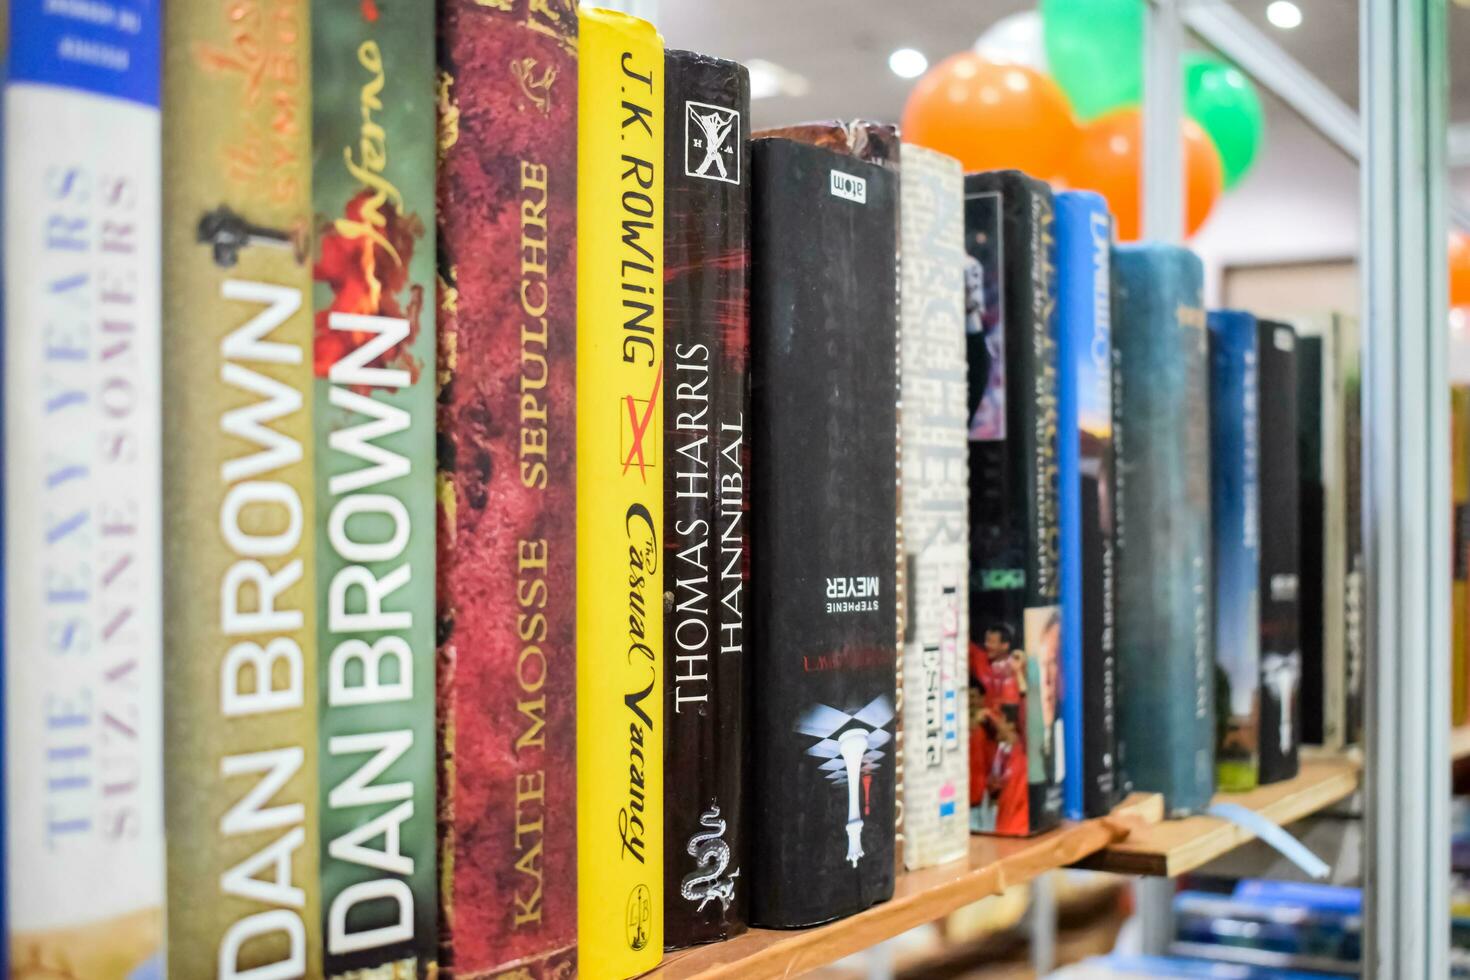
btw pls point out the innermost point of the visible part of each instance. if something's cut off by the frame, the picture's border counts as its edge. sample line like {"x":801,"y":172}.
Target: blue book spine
{"x":82,"y":602}
{"x":1085,"y":465}
{"x":1235,"y":514}
{"x":1166,"y":657}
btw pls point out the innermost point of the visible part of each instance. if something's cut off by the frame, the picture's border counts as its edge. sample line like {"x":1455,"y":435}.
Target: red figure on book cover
{"x":998,"y":732}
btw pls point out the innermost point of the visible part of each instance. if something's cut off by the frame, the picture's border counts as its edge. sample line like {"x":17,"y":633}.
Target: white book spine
{"x":84,"y":847}
{"x":936,"y":793}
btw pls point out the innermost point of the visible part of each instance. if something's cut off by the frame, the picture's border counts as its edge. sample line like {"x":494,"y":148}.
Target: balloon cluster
{"x":1056,"y":93}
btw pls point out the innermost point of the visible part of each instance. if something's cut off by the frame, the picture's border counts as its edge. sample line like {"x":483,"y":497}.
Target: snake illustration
{"x":713,"y":856}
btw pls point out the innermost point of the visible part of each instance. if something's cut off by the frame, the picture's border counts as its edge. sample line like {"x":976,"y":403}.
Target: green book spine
{"x":373,"y":144}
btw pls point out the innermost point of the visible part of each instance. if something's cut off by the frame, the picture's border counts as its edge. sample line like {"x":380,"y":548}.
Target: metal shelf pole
{"x":1163,"y":152}
{"x":1406,"y":486}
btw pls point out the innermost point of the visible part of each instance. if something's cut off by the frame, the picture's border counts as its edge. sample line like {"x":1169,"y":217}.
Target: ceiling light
{"x":768,"y":80}
{"x":908,"y":63}
{"x":764,"y":79}
{"x":1284,"y":14}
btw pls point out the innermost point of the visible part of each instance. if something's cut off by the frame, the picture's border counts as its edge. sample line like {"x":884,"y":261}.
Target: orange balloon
{"x":991,"y":115}
{"x":1459,"y":269}
{"x":1108,"y":159}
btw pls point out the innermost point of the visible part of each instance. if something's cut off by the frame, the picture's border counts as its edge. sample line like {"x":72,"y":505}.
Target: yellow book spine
{"x":620,"y":628}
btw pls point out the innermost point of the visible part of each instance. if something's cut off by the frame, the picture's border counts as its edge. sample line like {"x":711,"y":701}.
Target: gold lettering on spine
{"x":373,"y":148}
{"x":535,"y":300}
{"x":532,"y":593}
{"x":532,"y":556}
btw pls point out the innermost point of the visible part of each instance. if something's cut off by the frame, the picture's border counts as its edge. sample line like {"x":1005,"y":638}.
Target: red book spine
{"x":507,"y":201}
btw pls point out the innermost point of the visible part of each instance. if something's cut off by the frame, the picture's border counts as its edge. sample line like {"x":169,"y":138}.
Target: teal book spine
{"x":1166,"y":648}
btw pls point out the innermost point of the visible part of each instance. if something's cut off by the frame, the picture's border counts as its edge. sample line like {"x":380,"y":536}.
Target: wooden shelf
{"x":1133,"y":840}
{"x":994,"y":864}
{"x":1174,"y":847}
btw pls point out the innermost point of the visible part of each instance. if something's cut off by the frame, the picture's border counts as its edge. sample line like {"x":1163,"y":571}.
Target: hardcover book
{"x":823,"y":549}
{"x":240,"y":651}
{"x":373,"y":195}
{"x":4,"y":97}
{"x":1166,"y":650}
{"x":1235,"y":504}
{"x":862,"y":139}
{"x":1330,"y":594}
{"x":621,"y":461}
{"x":706,"y":385}
{"x":1460,"y":547}
{"x":507,"y":313}
{"x":4,"y":141}
{"x":83,"y":587}
{"x":1087,"y":499}
{"x":1348,"y":613}
{"x":1315,"y":401}
{"x":935,"y":538}
{"x":877,"y":142}
{"x":1281,"y":659}
{"x":1017,"y":733}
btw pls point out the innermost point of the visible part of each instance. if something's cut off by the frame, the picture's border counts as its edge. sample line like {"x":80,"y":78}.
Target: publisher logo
{"x":849,"y":187}
{"x":711,"y":142}
{"x":639,"y":917}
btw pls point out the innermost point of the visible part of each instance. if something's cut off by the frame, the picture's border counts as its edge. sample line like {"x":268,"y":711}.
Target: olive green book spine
{"x":239,"y":513}
{"x":373,"y":153}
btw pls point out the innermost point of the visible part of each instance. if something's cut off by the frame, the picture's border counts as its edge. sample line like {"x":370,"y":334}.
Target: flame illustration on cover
{"x":365,"y":256}
{"x":851,"y":744}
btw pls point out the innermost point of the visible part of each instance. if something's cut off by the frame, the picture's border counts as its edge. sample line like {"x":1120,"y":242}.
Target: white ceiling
{"x":1299,"y":202}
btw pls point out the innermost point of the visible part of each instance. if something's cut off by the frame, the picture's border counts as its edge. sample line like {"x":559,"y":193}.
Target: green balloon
{"x":1095,"y":51}
{"x":1223,"y":101}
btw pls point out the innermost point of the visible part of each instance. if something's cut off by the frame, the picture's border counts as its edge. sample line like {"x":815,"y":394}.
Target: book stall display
{"x":493,"y":490}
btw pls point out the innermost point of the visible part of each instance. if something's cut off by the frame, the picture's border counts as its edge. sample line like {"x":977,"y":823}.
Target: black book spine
{"x":876,"y":142}
{"x":1354,"y":600}
{"x":1281,"y":657}
{"x":706,"y":331}
{"x":823,"y":650}
{"x":1311,"y":508}
{"x":1015,"y":612}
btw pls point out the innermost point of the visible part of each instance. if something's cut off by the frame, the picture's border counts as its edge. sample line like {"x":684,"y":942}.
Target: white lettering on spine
{"x":371,"y":660}
{"x":261,"y":520}
{"x":264,"y":924}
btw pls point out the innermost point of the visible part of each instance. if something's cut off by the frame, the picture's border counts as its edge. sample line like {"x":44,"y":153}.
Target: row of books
{"x":481,"y":510}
